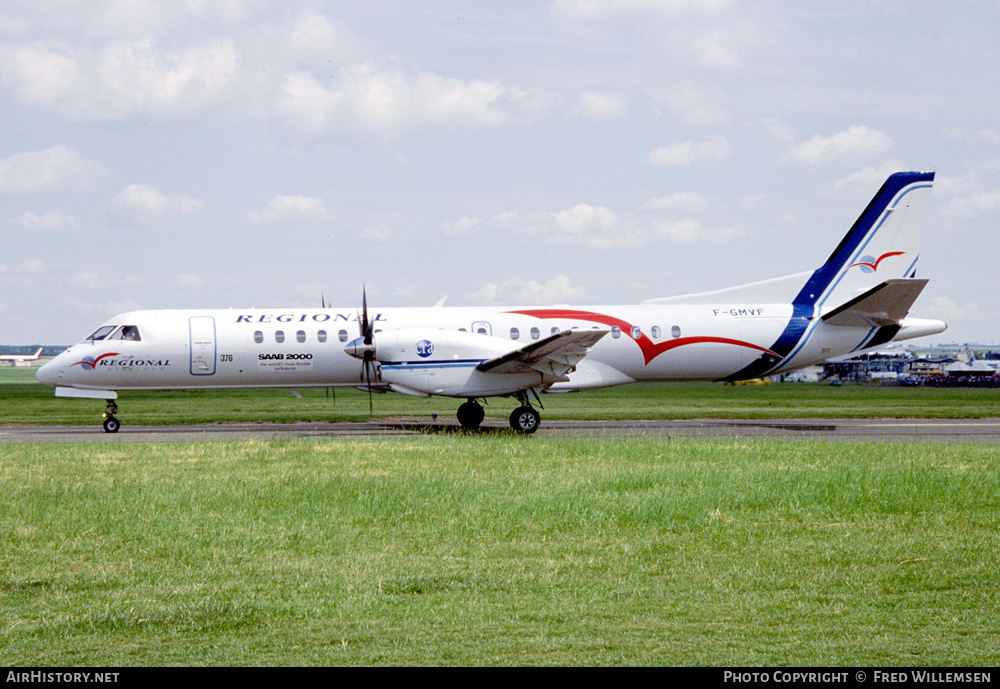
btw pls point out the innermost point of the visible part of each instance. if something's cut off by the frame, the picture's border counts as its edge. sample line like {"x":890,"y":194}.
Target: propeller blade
{"x":366,"y":350}
{"x":368,"y":375}
{"x":366,"y":329}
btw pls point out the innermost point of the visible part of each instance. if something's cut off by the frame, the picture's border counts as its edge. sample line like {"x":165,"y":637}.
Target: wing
{"x":554,"y":355}
{"x":884,"y":304}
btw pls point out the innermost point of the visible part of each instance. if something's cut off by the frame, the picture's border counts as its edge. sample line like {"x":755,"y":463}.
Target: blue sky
{"x":214,"y":153}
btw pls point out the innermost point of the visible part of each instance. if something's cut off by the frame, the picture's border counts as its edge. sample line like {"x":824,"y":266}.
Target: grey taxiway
{"x":930,"y":430}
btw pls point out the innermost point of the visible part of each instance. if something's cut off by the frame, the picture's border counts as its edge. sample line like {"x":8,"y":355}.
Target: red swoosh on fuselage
{"x":650,"y":349}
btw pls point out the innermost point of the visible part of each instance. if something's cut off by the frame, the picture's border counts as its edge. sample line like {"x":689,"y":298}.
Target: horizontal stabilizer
{"x":882,"y":305}
{"x":554,"y":355}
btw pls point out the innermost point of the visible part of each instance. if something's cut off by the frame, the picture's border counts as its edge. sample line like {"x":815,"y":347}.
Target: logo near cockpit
{"x":89,"y":363}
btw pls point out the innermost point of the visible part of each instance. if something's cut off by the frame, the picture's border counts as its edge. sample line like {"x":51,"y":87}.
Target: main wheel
{"x":525,"y":420}
{"x":111,"y":424}
{"x":470,"y":415}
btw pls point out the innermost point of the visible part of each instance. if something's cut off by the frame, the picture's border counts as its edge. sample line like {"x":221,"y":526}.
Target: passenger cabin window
{"x":655,"y":331}
{"x":636,"y":332}
{"x":101,"y":332}
{"x":279,"y":336}
{"x":616,"y":332}
{"x":535,"y":333}
{"x":675,"y":332}
{"x":555,"y":331}
{"x":514,"y":333}
{"x":300,"y":336}
{"x":258,"y":337}
{"x":342,"y":336}
{"x":321,"y":336}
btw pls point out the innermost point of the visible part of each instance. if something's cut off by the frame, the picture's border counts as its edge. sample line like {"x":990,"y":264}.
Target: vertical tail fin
{"x":883,"y":243}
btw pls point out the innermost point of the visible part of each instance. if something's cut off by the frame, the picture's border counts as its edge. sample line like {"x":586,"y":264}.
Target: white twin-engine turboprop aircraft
{"x":859,"y":298}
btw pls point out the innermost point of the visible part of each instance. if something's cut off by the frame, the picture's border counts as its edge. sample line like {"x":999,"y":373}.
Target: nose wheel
{"x":111,"y":423}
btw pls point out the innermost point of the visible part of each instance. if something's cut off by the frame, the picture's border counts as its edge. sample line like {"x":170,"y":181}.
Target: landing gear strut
{"x":470,"y":415}
{"x":111,"y":424}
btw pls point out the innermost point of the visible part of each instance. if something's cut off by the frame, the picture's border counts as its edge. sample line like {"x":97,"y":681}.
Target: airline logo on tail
{"x":869,"y":264}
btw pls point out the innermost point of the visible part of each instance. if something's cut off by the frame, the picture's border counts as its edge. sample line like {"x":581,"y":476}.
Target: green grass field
{"x":500,"y":550}
{"x":497,"y":549}
{"x":22,"y":400}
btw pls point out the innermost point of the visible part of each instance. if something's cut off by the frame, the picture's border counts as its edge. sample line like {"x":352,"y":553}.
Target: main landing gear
{"x":470,"y":415}
{"x":111,"y":424}
{"x":524,"y":419}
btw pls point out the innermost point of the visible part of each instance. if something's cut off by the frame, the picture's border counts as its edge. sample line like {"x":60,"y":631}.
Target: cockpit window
{"x":102,"y":332}
{"x":126,"y":332}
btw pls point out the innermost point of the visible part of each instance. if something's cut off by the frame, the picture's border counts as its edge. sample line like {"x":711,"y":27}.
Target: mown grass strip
{"x":499,"y":550}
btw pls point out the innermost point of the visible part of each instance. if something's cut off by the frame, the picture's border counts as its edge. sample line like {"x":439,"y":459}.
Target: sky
{"x":274,"y":153}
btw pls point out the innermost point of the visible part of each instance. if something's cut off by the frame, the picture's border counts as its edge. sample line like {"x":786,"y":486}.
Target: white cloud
{"x":140,"y":77}
{"x":602,"y":227}
{"x":146,"y":203}
{"x":188,"y":280}
{"x":286,"y":207}
{"x":54,"y":168}
{"x":983,"y":136}
{"x":688,"y":230}
{"x":32,"y":265}
{"x":715,"y":149}
{"x":855,"y":142}
{"x":586,"y":219}
{"x":777,"y":129}
{"x":517,"y":290}
{"x":460,"y":227}
{"x":377,"y":233}
{"x":864,"y":182}
{"x":692,"y":103}
{"x":387,"y":101}
{"x":951,"y":312}
{"x":119,"y":79}
{"x":714,"y":34}
{"x":594,"y":106}
{"x":686,"y":202}
{"x":88,"y":280}
{"x":98,"y":281}
{"x":46,"y":221}
{"x":974,"y":204}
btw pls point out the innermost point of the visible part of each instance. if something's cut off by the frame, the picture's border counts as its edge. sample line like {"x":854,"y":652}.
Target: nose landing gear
{"x":111,"y":424}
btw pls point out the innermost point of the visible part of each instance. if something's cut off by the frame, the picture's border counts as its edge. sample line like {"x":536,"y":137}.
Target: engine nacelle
{"x":427,"y":361}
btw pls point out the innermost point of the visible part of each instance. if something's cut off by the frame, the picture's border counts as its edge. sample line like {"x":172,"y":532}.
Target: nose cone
{"x":359,"y":349}
{"x":49,"y":373}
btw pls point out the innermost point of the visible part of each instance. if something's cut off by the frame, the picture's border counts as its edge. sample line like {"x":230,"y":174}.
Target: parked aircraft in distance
{"x":22,"y":359}
{"x":858,"y":298}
